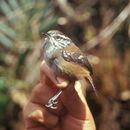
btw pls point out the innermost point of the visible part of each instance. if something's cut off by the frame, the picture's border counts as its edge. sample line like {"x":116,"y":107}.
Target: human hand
{"x":72,"y":113}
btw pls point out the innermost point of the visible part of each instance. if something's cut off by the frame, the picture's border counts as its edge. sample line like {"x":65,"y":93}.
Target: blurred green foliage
{"x":22,"y":22}
{"x":21,"y":25}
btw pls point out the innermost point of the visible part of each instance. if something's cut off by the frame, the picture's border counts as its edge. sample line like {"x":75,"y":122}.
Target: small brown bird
{"x":66,"y":60}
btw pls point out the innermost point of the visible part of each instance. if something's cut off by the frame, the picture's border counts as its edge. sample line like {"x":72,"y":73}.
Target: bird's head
{"x":56,"y":38}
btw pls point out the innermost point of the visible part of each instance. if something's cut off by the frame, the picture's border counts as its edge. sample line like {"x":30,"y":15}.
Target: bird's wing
{"x":76,"y":56}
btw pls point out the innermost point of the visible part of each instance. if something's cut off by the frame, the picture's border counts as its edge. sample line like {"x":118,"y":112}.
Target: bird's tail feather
{"x":89,"y":78}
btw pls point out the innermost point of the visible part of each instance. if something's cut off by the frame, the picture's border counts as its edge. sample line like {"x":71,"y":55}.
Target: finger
{"x":75,"y":102}
{"x":58,"y":81}
{"x":45,"y":71}
{"x":36,"y":117}
{"x":77,"y":124}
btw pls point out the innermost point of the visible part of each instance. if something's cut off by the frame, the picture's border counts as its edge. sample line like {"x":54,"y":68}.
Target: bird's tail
{"x":89,"y":78}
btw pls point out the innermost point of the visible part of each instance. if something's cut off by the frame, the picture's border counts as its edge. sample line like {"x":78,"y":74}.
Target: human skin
{"x":72,"y":113}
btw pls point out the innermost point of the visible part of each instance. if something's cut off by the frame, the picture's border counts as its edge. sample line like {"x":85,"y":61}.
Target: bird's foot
{"x":52,"y":103}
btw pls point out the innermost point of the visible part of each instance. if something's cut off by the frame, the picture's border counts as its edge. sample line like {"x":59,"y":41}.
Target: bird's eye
{"x":57,"y":37}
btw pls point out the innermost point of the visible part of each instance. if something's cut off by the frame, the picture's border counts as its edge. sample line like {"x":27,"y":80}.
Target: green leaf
{"x":5,"y":41}
{"x":27,"y":4}
{"x":2,"y":59}
{"x":7,"y":30}
{"x":3,"y":85}
{"x":14,"y":4}
{"x":4,"y":103}
{"x":5,"y":8}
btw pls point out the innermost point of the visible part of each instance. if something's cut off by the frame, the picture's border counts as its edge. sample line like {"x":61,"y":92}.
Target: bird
{"x":66,"y":59}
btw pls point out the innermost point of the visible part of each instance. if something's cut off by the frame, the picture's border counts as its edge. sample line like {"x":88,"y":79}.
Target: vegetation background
{"x":100,"y":27}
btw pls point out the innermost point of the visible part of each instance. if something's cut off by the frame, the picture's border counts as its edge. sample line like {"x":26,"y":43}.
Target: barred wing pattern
{"x":78,"y":58}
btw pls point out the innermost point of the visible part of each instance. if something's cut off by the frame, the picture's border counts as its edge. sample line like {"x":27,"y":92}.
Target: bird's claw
{"x":52,"y":103}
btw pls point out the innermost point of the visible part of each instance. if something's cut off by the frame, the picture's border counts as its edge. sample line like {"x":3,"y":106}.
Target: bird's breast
{"x":49,"y":54}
